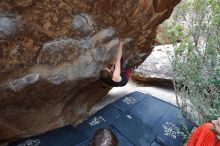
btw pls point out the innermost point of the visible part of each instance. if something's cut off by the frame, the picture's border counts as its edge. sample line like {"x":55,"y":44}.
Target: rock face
{"x":51,"y":54}
{"x":157,"y":68}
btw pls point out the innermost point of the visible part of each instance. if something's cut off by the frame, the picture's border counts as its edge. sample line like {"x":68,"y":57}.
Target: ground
{"x":164,"y":93}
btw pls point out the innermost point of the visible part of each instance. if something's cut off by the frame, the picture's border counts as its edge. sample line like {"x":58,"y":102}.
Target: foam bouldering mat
{"x":172,"y":127}
{"x":165,"y":119}
{"x":150,"y":110}
{"x":122,"y":140}
{"x":137,"y":119}
{"x":84,"y":143}
{"x":101,"y":119}
{"x":135,"y":130}
{"x":65,"y":136}
{"x":156,"y":144}
{"x":128,"y":101}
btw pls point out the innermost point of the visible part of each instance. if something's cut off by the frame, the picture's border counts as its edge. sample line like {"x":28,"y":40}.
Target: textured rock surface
{"x":157,"y":68}
{"x":51,"y":53}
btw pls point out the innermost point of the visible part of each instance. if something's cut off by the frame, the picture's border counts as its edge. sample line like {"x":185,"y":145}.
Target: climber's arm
{"x":117,"y":71}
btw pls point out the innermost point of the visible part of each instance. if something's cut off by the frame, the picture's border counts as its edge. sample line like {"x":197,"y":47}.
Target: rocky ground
{"x":165,"y":93}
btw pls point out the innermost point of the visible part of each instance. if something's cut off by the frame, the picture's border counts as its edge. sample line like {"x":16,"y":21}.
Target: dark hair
{"x":104,"y":137}
{"x":106,"y":75}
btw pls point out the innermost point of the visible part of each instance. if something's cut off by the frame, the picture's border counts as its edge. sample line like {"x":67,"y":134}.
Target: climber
{"x":207,"y":134}
{"x":104,"y":137}
{"x":115,"y":76}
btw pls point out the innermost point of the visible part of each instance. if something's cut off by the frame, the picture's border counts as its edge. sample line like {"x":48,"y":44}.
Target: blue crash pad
{"x":171,"y":127}
{"x":65,"y":136}
{"x":166,"y":120}
{"x":137,"y":119}
{"x":128,"y":101}
{"x":150,"y":111}
{"x":101,"y":119}
{"x":122,"y":140}
{"x":135,"y":130}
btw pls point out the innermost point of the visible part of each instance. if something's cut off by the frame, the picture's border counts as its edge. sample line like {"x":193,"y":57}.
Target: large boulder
{"x":51,"y":54}
{"x":157,"y":68}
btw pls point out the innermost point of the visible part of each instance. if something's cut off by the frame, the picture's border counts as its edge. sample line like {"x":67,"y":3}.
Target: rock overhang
{"x":51,"y":54}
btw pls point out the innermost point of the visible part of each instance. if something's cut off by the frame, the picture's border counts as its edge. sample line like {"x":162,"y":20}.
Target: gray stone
{"x":105,"y":35}
{"x":83,"y":23}
{"x":157,"y":67}
{"x":99,"y":53}
{"x":57,"y":79}
{"x":7,"y":26}
{"x":21,"y":83}
{"x":58,"y":51}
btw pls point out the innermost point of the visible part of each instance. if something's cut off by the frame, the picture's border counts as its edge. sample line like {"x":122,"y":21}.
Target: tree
{"x":196,"y":62}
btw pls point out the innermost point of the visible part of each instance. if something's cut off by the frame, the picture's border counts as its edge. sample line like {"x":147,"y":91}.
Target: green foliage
{"x":196,"y":60}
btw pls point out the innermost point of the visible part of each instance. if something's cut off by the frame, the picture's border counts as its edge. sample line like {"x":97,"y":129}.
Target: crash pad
{"x":137,"y":119}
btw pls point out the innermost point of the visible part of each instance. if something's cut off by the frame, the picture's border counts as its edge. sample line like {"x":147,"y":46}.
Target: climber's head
{"x":104,"y":137}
